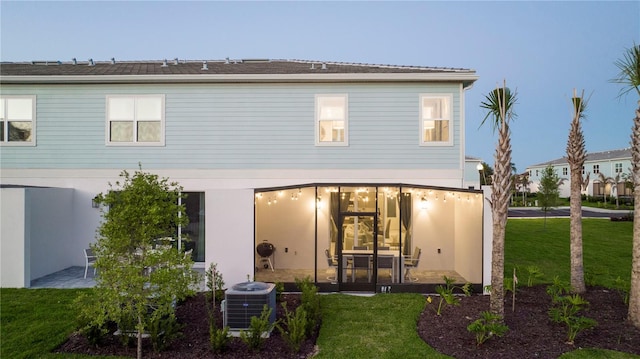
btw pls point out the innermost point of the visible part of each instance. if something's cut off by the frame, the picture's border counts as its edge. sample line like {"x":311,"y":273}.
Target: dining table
{"x":348,"y":254}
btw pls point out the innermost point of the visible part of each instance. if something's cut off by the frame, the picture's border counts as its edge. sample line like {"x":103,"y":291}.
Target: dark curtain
{"x":335,"y":216}
{"x":338,"y":203}
{"x":405,"y":217}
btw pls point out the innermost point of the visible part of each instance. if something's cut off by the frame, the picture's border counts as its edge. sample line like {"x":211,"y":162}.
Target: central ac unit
{"x":246,"y":300}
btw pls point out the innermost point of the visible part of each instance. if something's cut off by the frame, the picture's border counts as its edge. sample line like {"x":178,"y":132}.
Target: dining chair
{"x":89,"y":261}
{"x":385,"y":261}
{"x":360,"y":261}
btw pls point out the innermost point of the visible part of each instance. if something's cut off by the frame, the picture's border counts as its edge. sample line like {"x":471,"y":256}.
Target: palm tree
{"x":629,"y":77}
{"x":604,"y":180}
{"x":616,"y":181}
{"x":499,"y":104}
{"x":576,"y":155}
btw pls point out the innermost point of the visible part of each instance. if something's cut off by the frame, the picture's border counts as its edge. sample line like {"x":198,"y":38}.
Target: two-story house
{"x":326,"y":162}
{"x":608,"y":171}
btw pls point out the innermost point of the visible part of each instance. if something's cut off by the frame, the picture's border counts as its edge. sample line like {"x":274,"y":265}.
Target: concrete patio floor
{"x":73,"y":277}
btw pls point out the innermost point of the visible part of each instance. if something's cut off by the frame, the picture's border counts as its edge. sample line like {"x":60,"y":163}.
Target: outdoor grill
{"x":265,"y":251}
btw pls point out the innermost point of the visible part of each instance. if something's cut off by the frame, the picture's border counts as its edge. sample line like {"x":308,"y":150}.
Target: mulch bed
{"x":531,"y":333}
{"x":195,"y":340}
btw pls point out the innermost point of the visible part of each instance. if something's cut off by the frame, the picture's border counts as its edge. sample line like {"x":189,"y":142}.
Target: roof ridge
{"x":408,"y":67}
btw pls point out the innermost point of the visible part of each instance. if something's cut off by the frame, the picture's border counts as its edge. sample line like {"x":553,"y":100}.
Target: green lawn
{"x":606,"y":249}
{"x":34,"y":321}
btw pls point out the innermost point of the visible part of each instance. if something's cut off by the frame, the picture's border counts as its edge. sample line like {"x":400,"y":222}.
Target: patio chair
{"x":412,"y":263}
{"x":89,"y":260}
{"x":360,"y":262}
{"x":332,"y":264}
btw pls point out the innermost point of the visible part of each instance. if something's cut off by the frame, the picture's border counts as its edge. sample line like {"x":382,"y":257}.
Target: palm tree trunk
{"x":634,"y":292}
{"x":576,"y":156}
{"x":577,"y":269}
{"x":500,"y":206}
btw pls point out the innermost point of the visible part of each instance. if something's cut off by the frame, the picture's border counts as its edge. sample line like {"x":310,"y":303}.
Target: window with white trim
{"x":618,"y":167}
{"x":435,"y":120}
{"x":565,"y":171}
{"x":135,"y":119}
{"x":18,"y":120}
{"x":596,"y":169}
{"x":332,"y":120}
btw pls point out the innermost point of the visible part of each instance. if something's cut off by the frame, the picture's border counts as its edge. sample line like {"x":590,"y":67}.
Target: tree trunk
{"x":139,"y":351}
{"x":499,"y":207}
{"x":577,"y":268}
{"x":634,"y":292}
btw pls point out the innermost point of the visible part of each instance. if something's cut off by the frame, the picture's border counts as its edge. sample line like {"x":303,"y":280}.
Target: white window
{"x":565,"y":171}
{"x":18,"y":120}
{"x":618,"y":167}
{"x":435,"y":120}
{"x":596,"y":169}
{"x":135,"y":119}
{"x":332,"y":120}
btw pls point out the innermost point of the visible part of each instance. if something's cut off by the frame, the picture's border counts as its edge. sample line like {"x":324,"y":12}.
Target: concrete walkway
{"x":73,"y":277}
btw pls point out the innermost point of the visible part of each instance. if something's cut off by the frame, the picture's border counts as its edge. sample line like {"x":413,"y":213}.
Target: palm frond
{"x":493,"y":103}
{"x":629,"y":66}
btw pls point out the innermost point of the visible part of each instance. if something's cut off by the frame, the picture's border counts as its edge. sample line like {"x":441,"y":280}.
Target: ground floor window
{"x":362,"y":236}
{"x":192,"y":237}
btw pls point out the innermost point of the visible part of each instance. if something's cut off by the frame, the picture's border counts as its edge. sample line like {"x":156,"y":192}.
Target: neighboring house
{"x":608,"y":164}
{"x":313,"y":157}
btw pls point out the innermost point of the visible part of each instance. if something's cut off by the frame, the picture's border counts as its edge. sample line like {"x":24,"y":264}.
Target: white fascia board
{"x":466,"y":77}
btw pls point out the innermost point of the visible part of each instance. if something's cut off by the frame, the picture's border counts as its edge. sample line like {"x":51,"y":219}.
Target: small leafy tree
{"x":549,"y":191}
{"x":140,"y":281}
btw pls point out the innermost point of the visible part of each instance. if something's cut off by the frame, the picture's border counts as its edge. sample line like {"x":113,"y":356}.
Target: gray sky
{"x":543,"y":49}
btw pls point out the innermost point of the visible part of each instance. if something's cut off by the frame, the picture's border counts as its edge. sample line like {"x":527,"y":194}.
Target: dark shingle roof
{"x":183,"y":67}
{"x":592,"y":157}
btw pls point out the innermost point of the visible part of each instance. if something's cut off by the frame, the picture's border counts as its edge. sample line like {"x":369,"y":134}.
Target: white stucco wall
{"x":50,"y":214}
{"x":14,"y":261}
{"x":229,"y":223}
{"x":487,"y":246}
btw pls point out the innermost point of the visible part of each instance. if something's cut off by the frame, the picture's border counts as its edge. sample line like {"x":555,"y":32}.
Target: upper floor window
{"x":332,"y":120}
{"x":565,"y":171}
{"x":435,"y":120}
{"x":17,"y":120}
{"x":135,"y":119}
{"x":618,"y":167}
{"x":596,"y":169}
{"x":583,"y":169}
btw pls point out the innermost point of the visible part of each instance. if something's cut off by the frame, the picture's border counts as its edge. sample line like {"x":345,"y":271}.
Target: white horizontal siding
{"x":237,"y":126}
